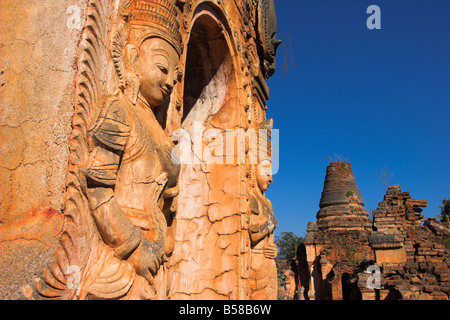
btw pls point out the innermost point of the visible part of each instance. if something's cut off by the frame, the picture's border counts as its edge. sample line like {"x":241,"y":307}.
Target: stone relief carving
{"x":263,"y":276}
{"x":267,"y":35}
{"x":122,"y":189}
{"x":122,"y":184}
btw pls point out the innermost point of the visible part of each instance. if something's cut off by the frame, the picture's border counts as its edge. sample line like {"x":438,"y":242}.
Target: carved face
{"x":264,"y":175}
{"x":156,"y":67}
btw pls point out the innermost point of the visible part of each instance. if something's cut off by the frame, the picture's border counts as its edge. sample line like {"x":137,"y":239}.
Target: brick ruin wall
{"x":411,"y":253}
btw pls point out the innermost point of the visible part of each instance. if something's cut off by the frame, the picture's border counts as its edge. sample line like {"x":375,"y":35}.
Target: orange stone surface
{"x":93,"y":203}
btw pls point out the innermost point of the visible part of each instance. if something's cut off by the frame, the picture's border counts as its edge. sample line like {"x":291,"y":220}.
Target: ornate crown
{"x":154,"y":18}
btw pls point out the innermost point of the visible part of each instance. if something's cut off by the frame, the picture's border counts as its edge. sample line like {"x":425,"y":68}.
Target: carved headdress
{"x":154,"y":18}
{"x":140,"y":20}
{"x":264,"y":140}
{"x":261,"y":149}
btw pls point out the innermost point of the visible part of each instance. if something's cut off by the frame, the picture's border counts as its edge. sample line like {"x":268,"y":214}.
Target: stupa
{"x":341,"y":204}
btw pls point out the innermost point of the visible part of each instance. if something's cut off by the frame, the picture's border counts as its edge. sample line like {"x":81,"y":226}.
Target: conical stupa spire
{"x":341,"y":204}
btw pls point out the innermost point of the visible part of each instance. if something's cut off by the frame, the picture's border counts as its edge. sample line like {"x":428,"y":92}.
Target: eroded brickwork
{"x":398,"y":255}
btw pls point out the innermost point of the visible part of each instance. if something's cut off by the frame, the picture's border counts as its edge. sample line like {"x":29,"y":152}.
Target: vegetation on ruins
{"x":287,"y":243}
{"x":384,"y":178}
{"x":338,"y":158}
{"x":346,"y":246}
{"x":444,"y":216}
{"x":322,"y":236}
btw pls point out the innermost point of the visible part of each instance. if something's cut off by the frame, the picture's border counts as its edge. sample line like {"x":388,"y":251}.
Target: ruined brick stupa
{"x":341,"y":204}
{"x":410,"y":254}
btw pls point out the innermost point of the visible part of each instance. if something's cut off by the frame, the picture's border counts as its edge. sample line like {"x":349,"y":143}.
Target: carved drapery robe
{"x":263,"y":271}
{"x":127,"y":174}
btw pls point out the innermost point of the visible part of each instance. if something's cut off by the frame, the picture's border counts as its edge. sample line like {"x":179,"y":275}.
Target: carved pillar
{"x":336,"y":288}
{"x":224,"y":92}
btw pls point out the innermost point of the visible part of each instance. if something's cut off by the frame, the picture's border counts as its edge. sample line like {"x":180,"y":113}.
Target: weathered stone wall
{"x":422,"y":269}
{"x":397,"y":211}
{"x":37,"y":51}
{"x":223,"y":90}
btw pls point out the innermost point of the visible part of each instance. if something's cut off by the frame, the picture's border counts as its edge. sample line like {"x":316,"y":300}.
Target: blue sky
{"x":379,"y":98}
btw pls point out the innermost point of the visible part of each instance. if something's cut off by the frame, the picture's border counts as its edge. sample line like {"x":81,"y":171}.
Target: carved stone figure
{"x":263,"y":283}
{"x":129,"y":175}
{"x":129,"y":178}
{"x":91,"y":204}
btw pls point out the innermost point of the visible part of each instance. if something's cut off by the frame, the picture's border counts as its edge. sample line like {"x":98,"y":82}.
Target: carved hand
{"x":271,"y":226}
{"x":145,"y":262}
{"x":271,"y":251}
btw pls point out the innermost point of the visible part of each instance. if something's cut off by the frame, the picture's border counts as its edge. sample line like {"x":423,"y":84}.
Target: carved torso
{"x":262,"y":217}
{"x":145,"y":169}
{"x":147,"y":154}
{"x":263,"y":272}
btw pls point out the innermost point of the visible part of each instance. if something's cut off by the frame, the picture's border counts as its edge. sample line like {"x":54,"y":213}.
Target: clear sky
{"x":379,"y":98}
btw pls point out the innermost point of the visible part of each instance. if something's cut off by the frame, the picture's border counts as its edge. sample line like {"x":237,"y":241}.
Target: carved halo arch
{"x":214,"y":12}
{"x":213,"y":65}
{"x":219,"y":15}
